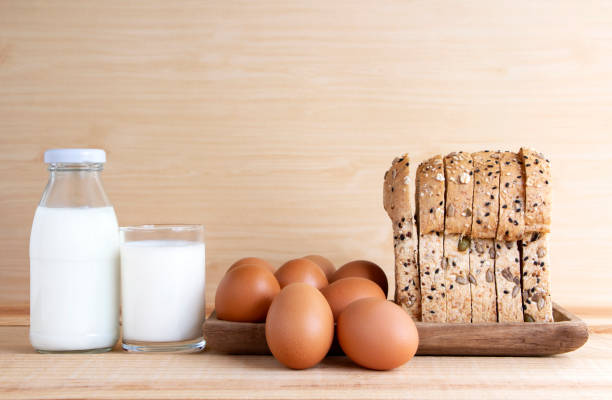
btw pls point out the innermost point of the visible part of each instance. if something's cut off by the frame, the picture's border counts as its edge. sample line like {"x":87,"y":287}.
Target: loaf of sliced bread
{"x":476,"y":249}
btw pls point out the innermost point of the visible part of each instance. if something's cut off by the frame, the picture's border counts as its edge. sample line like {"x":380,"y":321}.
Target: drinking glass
{"x":162,"y":287}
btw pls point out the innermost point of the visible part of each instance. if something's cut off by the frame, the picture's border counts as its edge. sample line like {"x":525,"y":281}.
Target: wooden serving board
{"x":567,"y":333}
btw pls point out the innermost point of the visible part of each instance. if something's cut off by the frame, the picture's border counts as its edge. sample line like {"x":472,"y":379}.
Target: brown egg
{"x":377,"y":334}
{"x":252,"y":261}
{"x":299,"y":326}
{"x":363,"y":269}
{"x":326,"y":265}
{"x":245,"y":294}
{"x":301,"y":270}
{"x":344,"y":291}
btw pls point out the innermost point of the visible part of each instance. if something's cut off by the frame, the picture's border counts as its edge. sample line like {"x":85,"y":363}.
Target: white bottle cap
{"x":75,"y":156}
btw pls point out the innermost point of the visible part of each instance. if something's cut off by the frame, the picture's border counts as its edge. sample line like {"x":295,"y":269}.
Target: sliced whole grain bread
{"x":429,"y":193}
{"x":482,"y":280}
{"x":537,"y":302}
{"x":429,"y":196}
{"x":508,"y":282}
{"x":484,"y":228}
{"x":433,"y":293}
{"x":485,"y":205}
{"x":457,"y":269}
{"x":538,"y":191}
{"x":458,"y":173}
{"x":396,"y":200}
{"x":511,"y":224}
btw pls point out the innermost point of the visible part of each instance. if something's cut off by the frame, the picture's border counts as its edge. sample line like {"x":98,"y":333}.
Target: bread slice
{"x":431,"y":249}
{"x":407,"y":281}
{"x":511,"y":224}
{"x":486,"y":194}
{"x":484,"y":228}
{"x":429,"y":194}
{"x":396,"y":200}
{"x":536,"y":260}
{"x":457,"y":263}
{"x":482,"y":280}
{"x":537,"y":302}
{"x":538,"y":191}
{"x":458,"y":173}
{"x":508,"y":282}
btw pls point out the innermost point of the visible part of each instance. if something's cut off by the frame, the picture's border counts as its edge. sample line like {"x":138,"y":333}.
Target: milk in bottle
{"x":74,"y":258}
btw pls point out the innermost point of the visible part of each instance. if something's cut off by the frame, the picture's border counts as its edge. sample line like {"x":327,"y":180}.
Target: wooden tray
{"x":567,"y":333}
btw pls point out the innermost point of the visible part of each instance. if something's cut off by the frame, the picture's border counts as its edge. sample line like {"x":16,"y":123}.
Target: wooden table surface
{"x":584,"y":373}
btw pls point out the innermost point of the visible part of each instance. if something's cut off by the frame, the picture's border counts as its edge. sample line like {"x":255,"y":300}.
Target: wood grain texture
{"x":566,"y":334}
{"x":585,"y":373}
{"x":273,"y":122}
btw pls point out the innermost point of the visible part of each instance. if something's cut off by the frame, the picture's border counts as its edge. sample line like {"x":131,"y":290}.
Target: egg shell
{"x":326,"y":265}
{"x":341,"y":293}
{"x":252,"y":261}
{"x":301,"y":270}
{"x":300,"y":326}
{"x":363,"y":269}
{"x":245,"y":294}
{"x":377,"y":334}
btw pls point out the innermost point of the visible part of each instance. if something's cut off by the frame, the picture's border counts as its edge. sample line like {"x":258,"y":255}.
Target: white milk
{"x":74,"y":279}
{"x":162,"y":290}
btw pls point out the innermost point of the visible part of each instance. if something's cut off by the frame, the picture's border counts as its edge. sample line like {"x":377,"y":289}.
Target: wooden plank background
{"x":272,"y":122}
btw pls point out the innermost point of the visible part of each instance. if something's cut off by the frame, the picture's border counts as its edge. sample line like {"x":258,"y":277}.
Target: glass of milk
{"x":162,"y":287}
{"x":74,"y":258}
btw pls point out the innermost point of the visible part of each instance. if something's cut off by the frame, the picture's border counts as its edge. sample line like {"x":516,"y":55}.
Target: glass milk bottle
{"x":74,"y":258}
